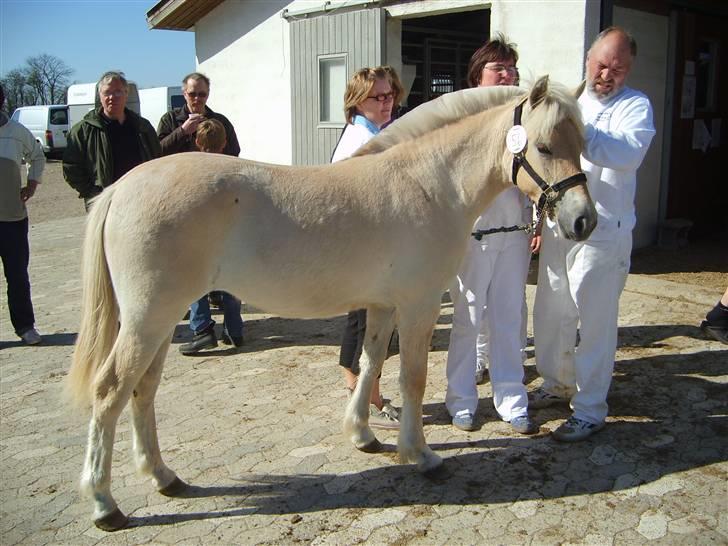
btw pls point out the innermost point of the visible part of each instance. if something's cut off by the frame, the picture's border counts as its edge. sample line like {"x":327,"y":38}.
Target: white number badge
{"x":516,"y":139}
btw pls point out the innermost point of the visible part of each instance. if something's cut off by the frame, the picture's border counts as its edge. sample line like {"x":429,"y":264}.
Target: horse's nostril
{"x":580,"y":226}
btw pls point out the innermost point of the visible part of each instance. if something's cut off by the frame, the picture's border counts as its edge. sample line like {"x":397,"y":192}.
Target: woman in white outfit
{"x":493,"y":275}
{"x":368,"y":102}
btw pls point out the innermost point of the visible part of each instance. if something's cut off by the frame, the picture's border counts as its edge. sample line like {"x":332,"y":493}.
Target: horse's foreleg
{"x":147,"y":455}
{"x":415,"y":332}
{"x":380,"y":323}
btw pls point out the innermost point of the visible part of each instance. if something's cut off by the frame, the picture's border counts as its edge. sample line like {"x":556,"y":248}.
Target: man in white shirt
{"x":17,"y":144}
{"x":579,"y":284}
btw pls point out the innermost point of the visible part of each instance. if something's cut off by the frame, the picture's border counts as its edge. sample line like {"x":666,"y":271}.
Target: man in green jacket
{"x":108,"y":142}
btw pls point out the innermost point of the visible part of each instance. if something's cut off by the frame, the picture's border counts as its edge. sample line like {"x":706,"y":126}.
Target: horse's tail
{"x":99,"y":310}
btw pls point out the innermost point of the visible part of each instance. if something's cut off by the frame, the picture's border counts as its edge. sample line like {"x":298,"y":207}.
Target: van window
{"x":59,"y":116}
{"x":177,"y":101}
{"x":16,"y":115}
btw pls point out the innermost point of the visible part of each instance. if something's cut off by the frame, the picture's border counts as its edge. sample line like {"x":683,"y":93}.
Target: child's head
{"x":211,"y":136}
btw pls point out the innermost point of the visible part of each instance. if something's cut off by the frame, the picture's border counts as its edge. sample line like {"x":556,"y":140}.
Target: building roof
{"x":179,"y":14}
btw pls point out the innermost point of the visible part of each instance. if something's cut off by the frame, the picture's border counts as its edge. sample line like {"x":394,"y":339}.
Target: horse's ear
{"x":579,"y":90}
{"x":538,"y":93}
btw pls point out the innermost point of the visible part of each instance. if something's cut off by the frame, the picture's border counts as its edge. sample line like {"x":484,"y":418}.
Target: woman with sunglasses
{"x":369,"y":100}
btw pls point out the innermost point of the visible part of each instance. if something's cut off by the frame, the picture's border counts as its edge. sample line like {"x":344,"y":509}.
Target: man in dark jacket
{"x":108,"y":142}
{"x":177,"y":127}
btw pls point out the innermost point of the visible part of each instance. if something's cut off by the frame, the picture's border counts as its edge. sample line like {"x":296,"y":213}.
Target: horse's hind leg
{"x":415,"y":331}
{"x":147,"y":455}
{"x":380,"y":323}
{"x":112,"y":387}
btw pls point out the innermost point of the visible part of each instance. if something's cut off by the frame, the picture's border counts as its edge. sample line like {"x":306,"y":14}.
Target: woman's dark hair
{"x":496,"y":49}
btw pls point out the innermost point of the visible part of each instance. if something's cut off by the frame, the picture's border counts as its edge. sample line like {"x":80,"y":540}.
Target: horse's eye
{"x":543,"y":149}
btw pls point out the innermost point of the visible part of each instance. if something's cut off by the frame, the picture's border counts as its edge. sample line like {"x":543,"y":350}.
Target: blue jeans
{"x":15,"y":254}
{"x":201,"y":318}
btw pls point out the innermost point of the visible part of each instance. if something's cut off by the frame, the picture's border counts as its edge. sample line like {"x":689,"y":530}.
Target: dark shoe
{"x":716,"y":332}
{"x":237,"y":341}
{"x":215,"y":299}
{"x":204,"y":340}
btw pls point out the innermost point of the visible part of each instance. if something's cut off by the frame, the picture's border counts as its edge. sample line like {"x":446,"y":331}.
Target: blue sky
{"x":92,"y":36}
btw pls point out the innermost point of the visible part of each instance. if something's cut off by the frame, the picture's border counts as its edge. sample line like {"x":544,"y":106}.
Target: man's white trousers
{"x":579,"y":285}
{"x":492,"y":275}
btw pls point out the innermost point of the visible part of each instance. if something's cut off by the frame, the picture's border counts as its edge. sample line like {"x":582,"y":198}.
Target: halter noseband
{"x":549,"y":192}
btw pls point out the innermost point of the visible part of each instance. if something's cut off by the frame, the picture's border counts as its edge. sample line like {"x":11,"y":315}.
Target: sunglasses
{"x":383,"y":97}
{"x":195,"y":94}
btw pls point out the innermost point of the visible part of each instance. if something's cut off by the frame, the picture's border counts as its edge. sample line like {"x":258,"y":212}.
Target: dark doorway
{"x":440,"y":47}
{"x":698,"y":188}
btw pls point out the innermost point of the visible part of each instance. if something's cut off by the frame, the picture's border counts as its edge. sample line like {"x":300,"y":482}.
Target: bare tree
{"x":17,"y":91}
{"x":48,"y":76}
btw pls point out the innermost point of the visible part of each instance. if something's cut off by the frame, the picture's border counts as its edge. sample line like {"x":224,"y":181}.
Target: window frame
{"x":321,"y":59}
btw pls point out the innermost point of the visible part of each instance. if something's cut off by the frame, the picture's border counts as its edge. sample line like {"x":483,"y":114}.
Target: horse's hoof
{"x":174,"y":489}
{"x":374,"y":446}
{"x":112,"y":522}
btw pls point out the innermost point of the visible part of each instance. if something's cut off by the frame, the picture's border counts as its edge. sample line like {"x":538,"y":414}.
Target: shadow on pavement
{"x":668,"y":416}
{"x":49,"y":340}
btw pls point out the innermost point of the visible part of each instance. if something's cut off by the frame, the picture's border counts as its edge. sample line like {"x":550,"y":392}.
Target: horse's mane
{"x":439,"y":112}
{"x":556,"y":104}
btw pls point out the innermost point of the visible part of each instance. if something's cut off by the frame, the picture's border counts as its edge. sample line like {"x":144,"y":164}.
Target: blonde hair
{"x":361,"y":83}
{"x":211,"y":136}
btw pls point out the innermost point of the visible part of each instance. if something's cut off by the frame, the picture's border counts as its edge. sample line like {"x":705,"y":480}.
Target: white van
{"x":157,"y":101}
{"x":82,"y":97}
{"x":48,"y":123}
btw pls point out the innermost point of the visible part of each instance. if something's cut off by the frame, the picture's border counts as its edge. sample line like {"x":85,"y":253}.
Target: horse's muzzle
{"x":576,"y":215}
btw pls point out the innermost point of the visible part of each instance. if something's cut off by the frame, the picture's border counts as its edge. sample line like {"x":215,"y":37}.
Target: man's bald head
{"x":609,"y":62}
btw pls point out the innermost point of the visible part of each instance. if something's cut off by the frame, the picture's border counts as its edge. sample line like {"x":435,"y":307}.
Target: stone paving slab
{"x":257,"y":434}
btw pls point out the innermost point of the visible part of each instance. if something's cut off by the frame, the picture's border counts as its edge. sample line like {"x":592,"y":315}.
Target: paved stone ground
{"x":257,"y":434}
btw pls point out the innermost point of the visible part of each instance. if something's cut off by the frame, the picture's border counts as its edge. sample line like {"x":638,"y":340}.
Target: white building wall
{"x":243,"y":47}
{"x":552,"y":36}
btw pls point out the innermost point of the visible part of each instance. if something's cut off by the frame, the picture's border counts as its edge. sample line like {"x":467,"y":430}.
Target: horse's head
{"x":545,"y":158}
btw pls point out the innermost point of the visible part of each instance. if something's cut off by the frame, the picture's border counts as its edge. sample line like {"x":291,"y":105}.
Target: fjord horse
{"x":385,"y":230}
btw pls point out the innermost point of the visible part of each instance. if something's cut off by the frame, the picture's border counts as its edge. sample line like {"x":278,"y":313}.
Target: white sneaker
{"x":31,"y":337}
{"x":386,"y":418}
{"x":576,"y":430}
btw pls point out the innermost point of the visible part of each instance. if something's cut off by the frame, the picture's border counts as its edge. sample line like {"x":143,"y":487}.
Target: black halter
{"x":549,"y":192}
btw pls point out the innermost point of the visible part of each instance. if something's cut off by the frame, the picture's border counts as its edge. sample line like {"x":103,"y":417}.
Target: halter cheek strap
{"x":549,"y":192}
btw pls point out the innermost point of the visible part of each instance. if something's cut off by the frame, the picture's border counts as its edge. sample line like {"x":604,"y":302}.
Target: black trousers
{"x":352,"y":341}
{"x":15,"y":254}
